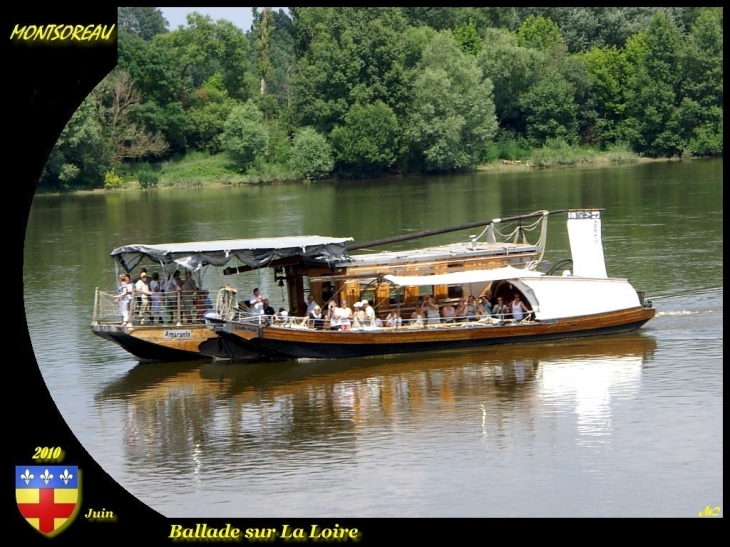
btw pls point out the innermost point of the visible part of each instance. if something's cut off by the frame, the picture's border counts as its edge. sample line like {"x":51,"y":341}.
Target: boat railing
{"x":169,"y":308}
{"x":382,"y":324}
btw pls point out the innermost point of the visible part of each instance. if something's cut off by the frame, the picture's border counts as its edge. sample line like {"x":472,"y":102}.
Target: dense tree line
{"x":359,"y":92}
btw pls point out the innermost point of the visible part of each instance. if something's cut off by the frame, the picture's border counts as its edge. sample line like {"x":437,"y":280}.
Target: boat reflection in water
{"x":174,"y":411}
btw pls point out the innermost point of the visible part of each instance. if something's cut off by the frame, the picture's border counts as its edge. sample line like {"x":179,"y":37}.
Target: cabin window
{"x":455,"y":291}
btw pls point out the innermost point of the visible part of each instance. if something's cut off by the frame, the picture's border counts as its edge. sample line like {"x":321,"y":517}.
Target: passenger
{"x":471,"y":308}
{"x":188,"y":291}
{"x":417,"y":318}
{"x":256,"y":302}
{"x":332,"y":322}
{"x":344,"y":314}
{"x":378,"y":323}
{"x":448,"y":312}
{"x":489,"y":297}
{"x":315,"y":318}
{"x":358,"y":316}
{"x":369,"y":314}
{"x":433,"y":315}
{"x":394,"y":320}
{"x":172,"y":296}
{"x":269,"y":309}
{"x":485,"y":304}
{"x":327,"y":293}
{"x":124,"y":297}
{"x":500,"y":310}
{"x":142,"y":290}
{"x":519,"y":310}
{"x":311,"y":304}
{"x":281,"y":317}
{"x":156,"y":295}
{"x":460,"y":311}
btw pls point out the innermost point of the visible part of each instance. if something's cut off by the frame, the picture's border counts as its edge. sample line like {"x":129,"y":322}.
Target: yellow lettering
{"x":87,"y":32}
{"x":77,"y":29}
{"x":30,"y":32}
{"x":17,"y":31}
{"x":66,"y":32}
{"x":95,"y":33}
{"x":175,"y":532}
{"x":108,"y":33}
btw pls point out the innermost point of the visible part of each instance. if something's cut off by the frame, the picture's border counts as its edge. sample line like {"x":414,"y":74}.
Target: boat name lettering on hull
{"x":248,"y":328}
{"x":178,"y":334}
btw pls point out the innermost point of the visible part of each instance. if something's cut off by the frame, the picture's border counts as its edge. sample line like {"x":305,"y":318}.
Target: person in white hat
{"x":369,"y":314}
{"x":358,"y":317}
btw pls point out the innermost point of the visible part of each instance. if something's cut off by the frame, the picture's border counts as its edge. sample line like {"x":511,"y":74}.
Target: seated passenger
{"x":460,"y":313}
{"x":358,"y":316}
{"x":471,"y":308}
{"x":448,"y":312}
{"x":394,"y":320}
{"x":433,"y":315}
{"x":500,"y":310}
{"x":486,"y":305}
{"x":315,"y":319}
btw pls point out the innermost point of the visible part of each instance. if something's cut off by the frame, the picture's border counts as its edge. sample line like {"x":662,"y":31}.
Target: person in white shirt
{"x":369,"y":314}
{"x":256,"y":302}
{"x":311,"y":304}
{"x":143,"y":292}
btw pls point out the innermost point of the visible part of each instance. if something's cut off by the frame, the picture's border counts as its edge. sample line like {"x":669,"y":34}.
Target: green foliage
{"x":550,"y":110}
{"x":245,"y":137}
{"x":367,"y":143}
{"x":204,"y":48}
{"x":112,"y":180}
{"x":508,"y":146}
{"x":147,"y":177}
{"x":538,"y":33}
{"x":651,"y":117}
{"x":143,"y":22}
{"x":311,"y":156}
{"x":451,"y":117}
{"x":557,"y":151}
{"x":468,"y":39}
{"x":80,"y":157}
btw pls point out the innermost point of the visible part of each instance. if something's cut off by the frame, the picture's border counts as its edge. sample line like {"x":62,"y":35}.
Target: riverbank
{"x":202,"y":170}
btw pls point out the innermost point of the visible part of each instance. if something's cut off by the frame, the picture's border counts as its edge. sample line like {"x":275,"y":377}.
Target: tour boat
{"x":582,"y":301}
{"x":176,"y":330}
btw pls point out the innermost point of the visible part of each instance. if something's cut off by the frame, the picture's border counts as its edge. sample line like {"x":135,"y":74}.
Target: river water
{"x":616,"y":426}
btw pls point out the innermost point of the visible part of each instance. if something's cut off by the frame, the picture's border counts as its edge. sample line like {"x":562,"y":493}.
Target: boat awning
{"x":460,"y":278}
{"x":255,"y":253}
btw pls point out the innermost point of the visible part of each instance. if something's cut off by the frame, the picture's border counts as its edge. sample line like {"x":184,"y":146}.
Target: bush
{"x":311,"y":156}
{"x":147,"y":177}
{"x":112,"y":180}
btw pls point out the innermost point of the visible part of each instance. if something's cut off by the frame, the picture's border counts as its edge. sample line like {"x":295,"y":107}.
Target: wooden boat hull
{"x":166,"y":343}
{"x":283,"y":343}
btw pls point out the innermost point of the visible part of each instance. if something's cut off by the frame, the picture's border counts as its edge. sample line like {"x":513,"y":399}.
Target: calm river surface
{"x":629,"y":425}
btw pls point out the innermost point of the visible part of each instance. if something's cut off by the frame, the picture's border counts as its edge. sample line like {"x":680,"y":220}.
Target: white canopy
{"x":460,"y":278}
{"x":251,"y":252}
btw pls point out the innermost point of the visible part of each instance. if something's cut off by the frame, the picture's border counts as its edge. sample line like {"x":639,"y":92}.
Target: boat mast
{"x":436,"y":231}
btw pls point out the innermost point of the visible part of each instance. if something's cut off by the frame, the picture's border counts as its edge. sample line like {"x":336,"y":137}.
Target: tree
{"x":468,"y":38}
{"x":117,"y":100}
{"x":311,"y":156}
{"x":513,"y":70}
{"x":204,"y":48}
{"x":655,"y":95}
{"x":79,"y":159}
{"x":550,"y":110}
{"x":367,"y":144}
{"x":143,"y":22}
{"x":538,"y":33}
{"x":245,"y":137}
{"x":451,"y":117}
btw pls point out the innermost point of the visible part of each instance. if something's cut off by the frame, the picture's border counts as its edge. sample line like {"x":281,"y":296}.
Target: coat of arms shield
{"x":48,"y":496}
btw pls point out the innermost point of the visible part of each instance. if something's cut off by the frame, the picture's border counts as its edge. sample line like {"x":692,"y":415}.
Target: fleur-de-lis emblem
{"x":66,"y":477}
{"x":46,"y":477}
{"x":27,"y":476}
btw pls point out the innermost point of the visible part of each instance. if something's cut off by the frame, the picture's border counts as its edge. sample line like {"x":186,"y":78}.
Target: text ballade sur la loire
{"x":228,"y":532}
